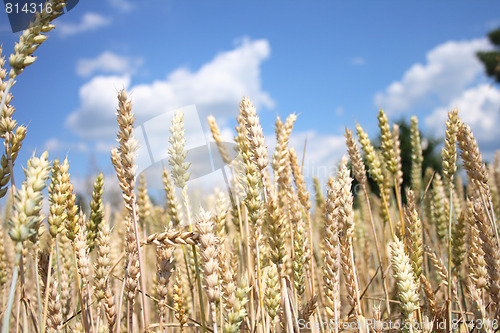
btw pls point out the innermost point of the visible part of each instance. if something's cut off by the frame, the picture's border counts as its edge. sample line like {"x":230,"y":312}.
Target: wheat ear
{"x":179,"y":302}
{"x":343,"y":203}
{"x":164,"y":269}
{"x":103,"y":264}
{"x":26,"y":218}
{"x":272,"y":294}
{"x":416,"y":242}
{"x":209,"y":254}
{"x":83,"y":264}
{"x":359,"y":172}
{"x":228,"y":281}
{"x":303,"y":196}
{"x":109,"y":307}
{"x":256,"y":137}
{"x":449,"y":169}
{"x":405,"y":277}
{"x":96,"y":211}
{"x":173,"y":208}
{"x":398,"y":177}
{"x":331,"y":268}
{"x":375,"y":170}
{"x":180,"y":175}
{"x":390,"y":159}
{"x":145,"y":207}
{"x":123,"y":159}
{"x":416,"y":157}
{"x":430,"y":295}
{"x":57,"y":198}
{"x":214,"y":128}
{"x":54,"y":318}
{"x":476,"y":171}
{"x":238,"y":314}
{"x":438,"y":208}
{"x":491,"y":253}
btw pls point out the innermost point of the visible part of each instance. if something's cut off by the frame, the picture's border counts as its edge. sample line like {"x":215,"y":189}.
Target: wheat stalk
{"x":343,"y":204}
{"x":123,"y":159}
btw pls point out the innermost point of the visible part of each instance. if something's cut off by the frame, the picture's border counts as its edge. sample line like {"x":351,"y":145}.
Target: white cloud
{"x":357,"y":61}
{"x":339,"y":111}
{"x":478,"y":107}
{"x":322,"y":156}
{"x":96,"y":117}
{"x":121,"y":5}
{"x":216,"y":88}
{"x":323,"y":153}
{"x":108,"y":62}
{"x":58,"y":145}
{"x":449,"y":69}
{"x":89,"y":22}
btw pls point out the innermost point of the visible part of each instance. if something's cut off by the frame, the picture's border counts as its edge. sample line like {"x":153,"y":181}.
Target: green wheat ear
{"x":96,"y":211}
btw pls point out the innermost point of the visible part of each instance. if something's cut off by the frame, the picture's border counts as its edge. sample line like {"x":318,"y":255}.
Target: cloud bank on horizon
{"x":450,"y":77}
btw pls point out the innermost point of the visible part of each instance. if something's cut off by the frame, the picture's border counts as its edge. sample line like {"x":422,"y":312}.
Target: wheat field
{"x":268,"y":256}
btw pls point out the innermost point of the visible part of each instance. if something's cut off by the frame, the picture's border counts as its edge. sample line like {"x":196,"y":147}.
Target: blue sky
{"x":332,"y":62}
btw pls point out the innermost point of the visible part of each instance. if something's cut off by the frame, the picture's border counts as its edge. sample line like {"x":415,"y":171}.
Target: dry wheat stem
{"x":126,"y":169}
{"x":360,"y":174}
